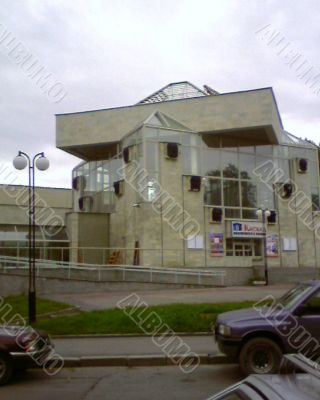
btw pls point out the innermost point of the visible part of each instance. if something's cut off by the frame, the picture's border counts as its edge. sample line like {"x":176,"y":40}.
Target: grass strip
{"x":19,"y":305}
{"x":179,"y":317}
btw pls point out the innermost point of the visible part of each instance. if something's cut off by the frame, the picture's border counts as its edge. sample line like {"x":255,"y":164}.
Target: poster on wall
{"x":195,"y":242}
{"x":272,"y":245}
{"x":289,"y":244}
{"x":216,"y":244}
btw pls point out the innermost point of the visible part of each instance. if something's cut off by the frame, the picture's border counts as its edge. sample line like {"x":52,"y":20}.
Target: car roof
{"x":312,"y":282}
{"x":276,"y":387}
{"x":286,"y":386}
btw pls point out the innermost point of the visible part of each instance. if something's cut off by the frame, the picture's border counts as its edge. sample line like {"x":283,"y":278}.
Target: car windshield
{"x":293,"y":295}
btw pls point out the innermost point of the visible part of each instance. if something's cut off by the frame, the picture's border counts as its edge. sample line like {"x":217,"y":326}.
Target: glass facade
{"x":229,"y":174}
{"x":98,"y":179}
{"x":226,"y":165}
{"x":50,"y":242}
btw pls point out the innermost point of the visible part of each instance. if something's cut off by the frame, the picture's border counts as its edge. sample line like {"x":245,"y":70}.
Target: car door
{"x":309,"y":317}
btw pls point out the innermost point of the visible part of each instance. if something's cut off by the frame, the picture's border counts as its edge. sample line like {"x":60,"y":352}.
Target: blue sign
{"x":248,"y":229}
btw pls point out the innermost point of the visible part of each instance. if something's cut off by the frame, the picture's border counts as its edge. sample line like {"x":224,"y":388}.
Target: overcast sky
{"x":112,"y":53}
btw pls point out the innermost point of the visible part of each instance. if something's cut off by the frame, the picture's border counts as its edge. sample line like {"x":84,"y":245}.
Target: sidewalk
{"x":103,"y":300}
{"x":132,"y":351}
{"x":126,"y":346}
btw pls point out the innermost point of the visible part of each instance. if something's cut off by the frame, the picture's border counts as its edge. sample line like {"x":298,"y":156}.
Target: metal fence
{"x":175,"y":257}
{"x":107,"y":272}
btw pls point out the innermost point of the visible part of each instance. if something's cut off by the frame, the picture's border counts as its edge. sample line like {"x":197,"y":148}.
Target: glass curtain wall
{"x":99,"y":177}
{"x":230,"y":181}
{"x":51,"y":243}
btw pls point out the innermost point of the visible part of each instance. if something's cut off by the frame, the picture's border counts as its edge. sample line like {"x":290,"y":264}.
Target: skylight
{"x":178,"y":91}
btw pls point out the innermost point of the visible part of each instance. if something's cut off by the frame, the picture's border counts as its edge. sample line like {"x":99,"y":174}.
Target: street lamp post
{"x":264,"y":214}
{"x":21,"y":161}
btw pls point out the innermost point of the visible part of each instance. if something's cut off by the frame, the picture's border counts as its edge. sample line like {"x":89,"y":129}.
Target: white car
{"x":287,"y":385}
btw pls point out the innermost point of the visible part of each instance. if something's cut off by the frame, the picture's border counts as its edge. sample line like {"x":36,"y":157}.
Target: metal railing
{"x":107,"y":272}
{"x":162,"y":257}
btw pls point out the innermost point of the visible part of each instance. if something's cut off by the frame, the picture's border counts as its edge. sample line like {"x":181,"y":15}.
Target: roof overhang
{"x":89,"y":134}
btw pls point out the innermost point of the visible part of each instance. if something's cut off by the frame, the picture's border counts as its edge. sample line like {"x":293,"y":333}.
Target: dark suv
{"x":22,"y":348}
{"x":259,"y":336}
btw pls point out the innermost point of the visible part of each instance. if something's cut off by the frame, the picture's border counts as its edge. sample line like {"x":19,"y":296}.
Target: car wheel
{"x":6,"y":368}
{"x":260,"y":356}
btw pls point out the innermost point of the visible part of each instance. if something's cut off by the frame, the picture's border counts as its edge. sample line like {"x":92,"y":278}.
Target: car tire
{"x":6,"y":368}
{"x":260,"y":355}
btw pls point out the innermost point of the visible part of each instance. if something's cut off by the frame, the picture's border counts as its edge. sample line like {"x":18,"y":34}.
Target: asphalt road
{"x":114,"y":383}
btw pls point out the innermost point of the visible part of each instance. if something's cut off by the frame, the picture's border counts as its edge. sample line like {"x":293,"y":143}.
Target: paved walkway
{"x":104,"y":300}
{"x":126,"y":346}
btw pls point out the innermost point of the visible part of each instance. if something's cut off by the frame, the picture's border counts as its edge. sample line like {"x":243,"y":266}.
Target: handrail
{"x":110,"y":266}
{"x":23,"y":263}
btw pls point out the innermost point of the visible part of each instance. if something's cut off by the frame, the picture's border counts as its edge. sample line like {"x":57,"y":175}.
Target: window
{"x":242,"y":248}
{"x":266,"y":150}
{"x":231,"y":193}
{"x":212,"y":192}
{"x":249,"y":214}
{"x":148,"y":188}
{"x":229,"y":247}
{"x":266,"y":196}
{"x":248,"y":194}
{"x":293,"y":296}
{"x":315,"y":198}
{"x":231,"y":396}
{"x":312,"y":307}
{"x":232,"y":213}
{"x":247,"y":165}
{"x":229,"y":164}
{"x":210,"y":162}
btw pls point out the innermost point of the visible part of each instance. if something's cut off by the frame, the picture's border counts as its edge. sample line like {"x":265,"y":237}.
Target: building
{"x":52,"y":206}
{"x":176,"y":180}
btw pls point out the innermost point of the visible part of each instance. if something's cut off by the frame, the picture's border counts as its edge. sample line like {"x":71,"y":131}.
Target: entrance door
{"x":242,"y":249}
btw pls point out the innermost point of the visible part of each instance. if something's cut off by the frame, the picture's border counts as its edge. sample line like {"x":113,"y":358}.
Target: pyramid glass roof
{"x":174,"y":91}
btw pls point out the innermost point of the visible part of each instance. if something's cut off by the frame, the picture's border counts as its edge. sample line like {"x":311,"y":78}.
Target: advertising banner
{"x":216,"y":244}
{"x":272,"y":245}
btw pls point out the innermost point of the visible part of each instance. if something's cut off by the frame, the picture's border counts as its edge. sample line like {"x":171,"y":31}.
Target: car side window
{"x":230,"y":396}
{"x":312,"y":306}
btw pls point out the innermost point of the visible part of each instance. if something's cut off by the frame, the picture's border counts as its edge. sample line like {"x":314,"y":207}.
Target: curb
{"x":127,"y":335}
{"x":144,"y":361}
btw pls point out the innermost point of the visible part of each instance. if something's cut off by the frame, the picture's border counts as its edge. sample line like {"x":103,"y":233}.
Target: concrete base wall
{"x":292,"y":275}
{"x":50,"y":282}
{"x":11,"y":284}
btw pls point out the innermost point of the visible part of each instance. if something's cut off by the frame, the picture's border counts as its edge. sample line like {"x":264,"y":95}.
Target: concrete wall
{"x":88,"y":230}
{"x":47,"y":283}
{"x":204,"y":114}
{"x":125,"y":222}
{"x":296,"y":220}
{"x":49,"y":202}
{"x":16,"y":284}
